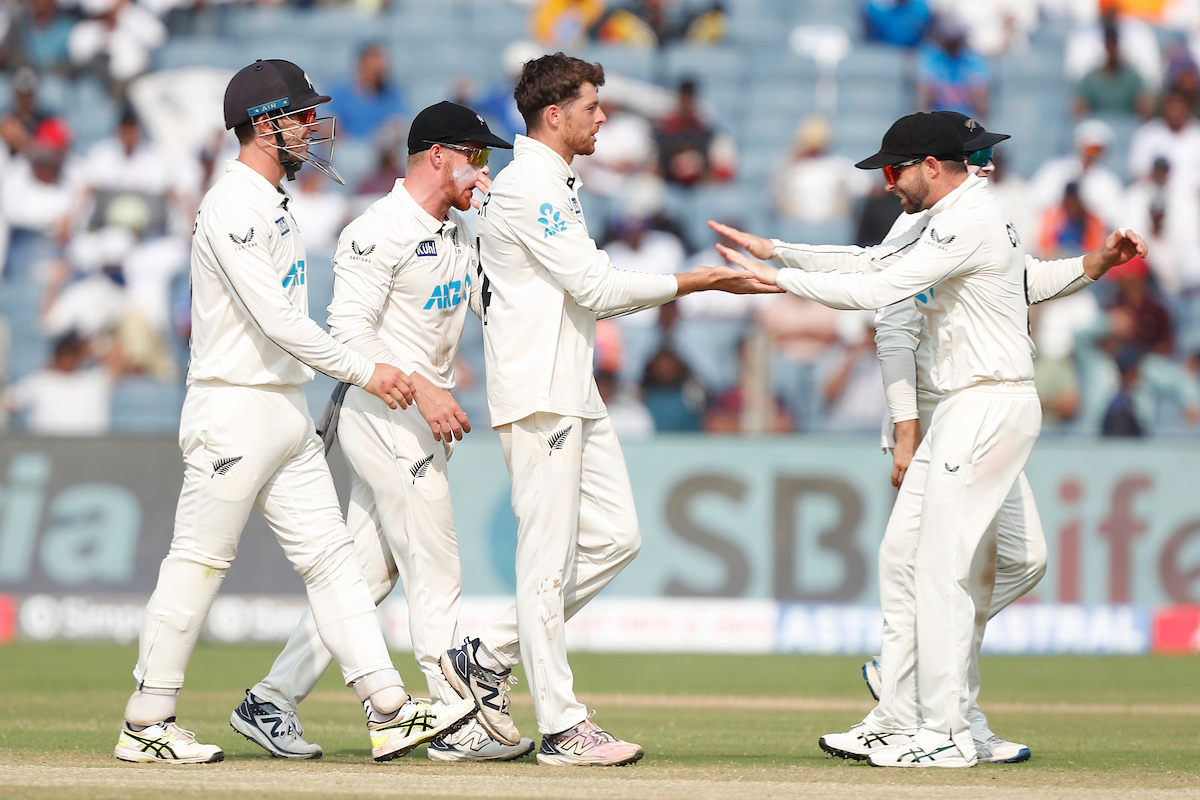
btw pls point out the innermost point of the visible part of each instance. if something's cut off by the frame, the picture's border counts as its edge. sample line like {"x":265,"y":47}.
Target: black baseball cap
{"x":450,"y":123}
{"x":273,"y":87}
{"x":916,"y":136}
{"x":973,"y":135}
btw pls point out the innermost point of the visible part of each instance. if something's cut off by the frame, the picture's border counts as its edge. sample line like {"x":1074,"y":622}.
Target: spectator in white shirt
{"x":68,"y":397}
{"x":1175,"y":136}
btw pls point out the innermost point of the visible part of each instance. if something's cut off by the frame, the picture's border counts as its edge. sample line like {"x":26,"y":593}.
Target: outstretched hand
{"x":754,"y":245}
{"x":734,"y":281}
{"x":1119,"y":246}
{"x":1122,"y":245}
{"x":763,"y":273}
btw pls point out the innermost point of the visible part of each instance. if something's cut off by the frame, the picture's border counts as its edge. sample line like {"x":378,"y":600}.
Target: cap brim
{"x":985,"y":140}
{"x":881,"y":159}
{"x":488,"y":139}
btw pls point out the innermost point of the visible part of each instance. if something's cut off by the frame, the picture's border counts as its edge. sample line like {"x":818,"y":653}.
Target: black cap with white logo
{"x":273,"y":87}
{"x":450,"y":123}
{"x":972,"y":133}
{"x":917,"y":136}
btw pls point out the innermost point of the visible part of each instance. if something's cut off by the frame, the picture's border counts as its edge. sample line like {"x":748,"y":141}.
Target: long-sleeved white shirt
{"x":965,"y":267}
{"x":899,"y":330}
{"x":402,"y":283}
{"x":545,"y":281}
{"x":250,"y":323}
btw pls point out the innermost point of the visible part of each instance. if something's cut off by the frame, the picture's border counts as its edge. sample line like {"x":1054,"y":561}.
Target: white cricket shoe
{"x":276,"y":731}
{"x":587,"y":745}
{"x":473,"y":743}
{"x":165,"y":743}
{"x":873,"y":674}
{"x":1001,"y":751}
{"x":488,"y":688}
{"x":860,"y":742}
{"x":418,"y":721}
{"x":944,"y":754}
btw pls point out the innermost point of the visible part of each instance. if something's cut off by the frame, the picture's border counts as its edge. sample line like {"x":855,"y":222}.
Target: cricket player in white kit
{"x":404,"y":277}
{"x":1020,"y":557}
{"x":968,"y":263}
{"x":246,"y":434}
{"x":545,"y":283}
{"x":1020,"y":545}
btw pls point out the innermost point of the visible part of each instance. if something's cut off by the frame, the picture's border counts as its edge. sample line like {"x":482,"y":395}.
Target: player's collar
{"x":426,"y":220}
{"x":275,"y":194}
{"x":558,"y":166}
{"x":972,"y":184}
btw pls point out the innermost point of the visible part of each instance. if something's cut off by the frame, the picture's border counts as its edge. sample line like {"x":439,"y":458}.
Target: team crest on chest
{"x":427,"y":249}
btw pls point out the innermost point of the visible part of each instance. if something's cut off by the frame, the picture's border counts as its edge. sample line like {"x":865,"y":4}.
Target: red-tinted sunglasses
{"x":892,"y":171}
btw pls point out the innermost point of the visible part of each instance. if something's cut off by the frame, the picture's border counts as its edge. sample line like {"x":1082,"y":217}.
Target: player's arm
{"x":924,"y":265}
{"x":829,"y":258}
{"x":1047,"y":280}
{"x":557,"y":239}
{"x":253,"y":280}
{"x":897,"y":336}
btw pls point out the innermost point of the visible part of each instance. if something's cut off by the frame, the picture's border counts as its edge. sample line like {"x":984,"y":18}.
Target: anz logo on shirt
{"x":448,"y":295}
{"x":295,"y":275}
{"x":552,"y":220}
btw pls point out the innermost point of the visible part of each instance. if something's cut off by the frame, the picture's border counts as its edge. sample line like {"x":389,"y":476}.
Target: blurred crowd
{"x":94,"y":238}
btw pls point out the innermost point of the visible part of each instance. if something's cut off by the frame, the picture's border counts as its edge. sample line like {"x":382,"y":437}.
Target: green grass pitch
{"x":713,"y":727}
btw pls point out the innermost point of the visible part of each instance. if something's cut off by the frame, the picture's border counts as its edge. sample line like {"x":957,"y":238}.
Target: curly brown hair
{"x":552,"y":80}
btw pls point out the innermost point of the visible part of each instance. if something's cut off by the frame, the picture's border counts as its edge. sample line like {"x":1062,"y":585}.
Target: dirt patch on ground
{"x":266,"y":780}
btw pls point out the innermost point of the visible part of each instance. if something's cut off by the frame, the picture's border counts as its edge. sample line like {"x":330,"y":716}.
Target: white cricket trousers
{"x":1021,"y":557}
{"x":964,"y":471}
{"x":576,"y":530}
{"x":401,"y":521}
{"x":245,"y":447}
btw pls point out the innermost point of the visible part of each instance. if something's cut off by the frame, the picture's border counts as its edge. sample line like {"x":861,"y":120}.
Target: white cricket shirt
{"x":402,"y":283}
{"x":250,"y":323}
{"x":966,"y":261}
{"x":545,"y":281}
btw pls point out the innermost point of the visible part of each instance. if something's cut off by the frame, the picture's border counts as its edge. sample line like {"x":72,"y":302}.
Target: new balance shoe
{"x":486,"y":687}
{"x":1001,"y":751}
{"x":587,"y":745}
{"x":418,"y":721}
{"x":945,"y":754}
{"x":164,"y":743}
{"x":860,"y":742}
{"x":276,"y":731}
{"x":873,"y":674}
{"x":473,"y":743}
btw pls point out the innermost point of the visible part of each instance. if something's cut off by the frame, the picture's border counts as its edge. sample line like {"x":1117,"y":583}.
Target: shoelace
{"x":291,"y":724}
{"x":184,"y":735}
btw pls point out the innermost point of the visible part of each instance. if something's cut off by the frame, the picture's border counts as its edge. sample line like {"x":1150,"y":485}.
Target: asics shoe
{"x":165,"y":743}
{"x":1001,"y":751}
{"x":873,"y":675}
{"x":945,"y":754}
{"x":488,"y":688}
{"x":418,"y":721}
{"x":276,"y":731}
{"x":473,"y":743}
{"x":860,"y":742}
{"x":587,"y":745}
